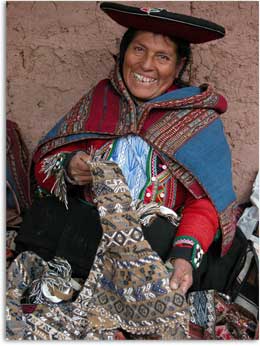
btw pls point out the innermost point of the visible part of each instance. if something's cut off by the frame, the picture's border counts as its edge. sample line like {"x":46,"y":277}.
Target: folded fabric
{"x":127,"y":287}
{"x":216,"y":318}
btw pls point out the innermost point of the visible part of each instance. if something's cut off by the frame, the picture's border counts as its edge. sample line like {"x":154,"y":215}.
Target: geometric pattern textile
{"x":214,"y":317}
{"x":127,"y":288}
{"x":202,"y":309}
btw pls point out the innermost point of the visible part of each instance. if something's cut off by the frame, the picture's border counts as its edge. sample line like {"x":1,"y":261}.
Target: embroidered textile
{"x":127,"y":288}
{"x":17,"y":182}
{"x":216,"y":318}
{"x":131,"y":153}
{"x":147,"y":177}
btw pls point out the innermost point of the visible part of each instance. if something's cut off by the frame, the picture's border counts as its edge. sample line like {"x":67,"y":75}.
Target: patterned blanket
{"x":17,"y":167}
{"x":127,"y":288}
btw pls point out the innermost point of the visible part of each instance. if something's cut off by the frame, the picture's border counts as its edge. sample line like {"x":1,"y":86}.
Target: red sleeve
{"x":47,"y":185}
{"x":199,"y":220}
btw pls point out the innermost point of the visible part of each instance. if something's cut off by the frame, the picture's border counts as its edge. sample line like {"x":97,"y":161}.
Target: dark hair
{"x":183,"y":51}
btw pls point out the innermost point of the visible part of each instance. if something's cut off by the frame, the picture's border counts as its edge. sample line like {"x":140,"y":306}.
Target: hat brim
{"x":188,"y":28}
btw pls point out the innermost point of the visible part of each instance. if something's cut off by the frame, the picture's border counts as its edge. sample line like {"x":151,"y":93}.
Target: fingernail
{"x":184,"y":290}
{"x":174,"y":286}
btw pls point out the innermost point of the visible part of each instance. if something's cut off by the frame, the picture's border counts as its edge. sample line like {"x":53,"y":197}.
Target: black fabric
{"x":217,"y":272}
{"x":50,"y":230}
{"x":41,"y":227}
{"x":158,"y":20}
{"x":182,"y":252}
{"x":160,"y":235}
{"x":247,"y":287}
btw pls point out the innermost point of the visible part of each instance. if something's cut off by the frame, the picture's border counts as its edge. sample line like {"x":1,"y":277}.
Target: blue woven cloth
{"x":216,"y":175}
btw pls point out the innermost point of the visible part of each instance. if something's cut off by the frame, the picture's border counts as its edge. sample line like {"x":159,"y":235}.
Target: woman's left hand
{"x":181,"y":278}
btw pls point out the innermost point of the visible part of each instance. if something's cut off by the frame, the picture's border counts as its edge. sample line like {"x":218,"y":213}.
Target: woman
{"x":167,"y":139}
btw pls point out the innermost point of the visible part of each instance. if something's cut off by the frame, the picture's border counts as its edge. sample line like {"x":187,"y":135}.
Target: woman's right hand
{"x":78,"y":168}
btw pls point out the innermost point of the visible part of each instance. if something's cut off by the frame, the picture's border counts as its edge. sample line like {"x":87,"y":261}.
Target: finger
{"x":79,"y":161}
{"x":82,"y":179}
{"x":176,"y":280}
{"x":84,"y":163}
{"x":82,"y":183}
{"x":185,"y":283}
{"x":84,"y":157}
{"x":81,"y":174}
{"x":80,"y":168}
{"x":81,"y":165}
{"x":174,"y":285}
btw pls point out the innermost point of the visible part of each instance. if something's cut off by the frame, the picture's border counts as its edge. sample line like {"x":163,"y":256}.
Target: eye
{"x":163,"y":57}
{"x":138,"y":49}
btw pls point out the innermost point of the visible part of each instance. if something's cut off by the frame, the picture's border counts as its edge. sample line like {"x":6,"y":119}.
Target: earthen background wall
{"x":56,"y":51}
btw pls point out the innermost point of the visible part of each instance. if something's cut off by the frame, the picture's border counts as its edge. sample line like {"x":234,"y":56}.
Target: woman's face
{"x":150,"y":65}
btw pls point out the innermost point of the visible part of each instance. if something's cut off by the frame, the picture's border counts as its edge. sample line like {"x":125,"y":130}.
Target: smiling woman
{"x":133,"y":194}
{"x":150,"y":65}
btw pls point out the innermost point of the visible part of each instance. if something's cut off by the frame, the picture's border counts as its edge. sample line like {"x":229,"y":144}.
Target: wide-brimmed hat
{"x":158,"y":20}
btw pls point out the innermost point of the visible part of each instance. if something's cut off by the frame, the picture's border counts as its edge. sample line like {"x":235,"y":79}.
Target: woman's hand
{"x":181,"y":278}
{"x":78,"y":168}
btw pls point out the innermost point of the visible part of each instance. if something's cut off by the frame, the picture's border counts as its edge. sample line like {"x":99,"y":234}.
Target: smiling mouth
{"x":142,"y":79}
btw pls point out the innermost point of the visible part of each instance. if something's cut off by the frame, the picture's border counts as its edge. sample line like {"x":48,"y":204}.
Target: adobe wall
{"x":56,"y":51}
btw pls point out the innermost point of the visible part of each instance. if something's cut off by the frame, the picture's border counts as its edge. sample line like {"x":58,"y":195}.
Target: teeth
{"x":143,"y":79}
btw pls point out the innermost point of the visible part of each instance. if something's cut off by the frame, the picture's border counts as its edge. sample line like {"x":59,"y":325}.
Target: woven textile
{"x":17,"y":167}
{"x":214,"y":317}
{"x":127,"y":288}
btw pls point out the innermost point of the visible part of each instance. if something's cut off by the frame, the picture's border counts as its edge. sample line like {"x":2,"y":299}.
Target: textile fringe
{"x":128,"y":285}
{"x":148,"y":212}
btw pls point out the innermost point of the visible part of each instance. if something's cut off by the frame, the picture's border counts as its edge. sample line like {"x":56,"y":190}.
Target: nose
{"x":147,"y":62}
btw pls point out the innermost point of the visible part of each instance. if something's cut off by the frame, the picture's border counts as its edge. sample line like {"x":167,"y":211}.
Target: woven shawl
{"x":128,"y":285}
{"x":183,"y":127}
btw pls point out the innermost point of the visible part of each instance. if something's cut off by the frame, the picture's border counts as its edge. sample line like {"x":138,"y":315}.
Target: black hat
{"x":158,"y":20}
